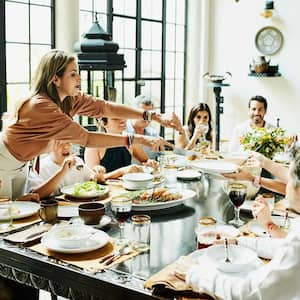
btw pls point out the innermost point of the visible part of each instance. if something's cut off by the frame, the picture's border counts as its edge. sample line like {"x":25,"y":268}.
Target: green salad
{"x":88,"y":188}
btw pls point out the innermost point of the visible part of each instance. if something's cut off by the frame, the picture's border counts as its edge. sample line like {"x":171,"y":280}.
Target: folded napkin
{"x":89,"y":261}
{"x":34,"y":233}
{"x":167,"y":283}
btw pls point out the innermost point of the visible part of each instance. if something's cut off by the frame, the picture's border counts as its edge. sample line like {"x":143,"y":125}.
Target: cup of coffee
{"x":91,"y":212}
{"x":48,"y":210}
{"x":270,"y":199}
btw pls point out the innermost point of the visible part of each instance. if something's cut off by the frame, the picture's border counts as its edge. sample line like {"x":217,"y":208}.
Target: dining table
{"x":172,"y":236}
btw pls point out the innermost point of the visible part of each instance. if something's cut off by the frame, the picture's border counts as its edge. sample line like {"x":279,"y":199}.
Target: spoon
{"x":124,"y":251}
{"x":227,"y":260}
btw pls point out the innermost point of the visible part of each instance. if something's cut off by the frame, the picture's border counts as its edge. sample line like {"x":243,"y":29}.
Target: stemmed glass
{"x":121,"y":207}
{"x":237,"y":195}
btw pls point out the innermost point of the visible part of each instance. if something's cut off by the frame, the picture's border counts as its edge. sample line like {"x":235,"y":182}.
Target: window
{"x":21,"y":50}
{"x":151,"y":35}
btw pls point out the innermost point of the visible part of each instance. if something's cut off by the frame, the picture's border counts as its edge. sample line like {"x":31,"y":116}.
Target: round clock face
{"x":268,"y":40}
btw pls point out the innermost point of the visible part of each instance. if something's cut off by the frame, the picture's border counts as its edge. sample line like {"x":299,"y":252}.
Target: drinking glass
{"x":5,"y":212}
{"x":237,"y":195}
{"x":121,"y":207}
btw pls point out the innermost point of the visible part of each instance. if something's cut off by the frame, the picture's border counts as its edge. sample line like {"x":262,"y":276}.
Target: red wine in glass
{"x":237,"y":194}
{"x":122,"y":213}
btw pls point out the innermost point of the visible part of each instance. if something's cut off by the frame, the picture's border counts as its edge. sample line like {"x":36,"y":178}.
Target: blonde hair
{"x":52,"y":63}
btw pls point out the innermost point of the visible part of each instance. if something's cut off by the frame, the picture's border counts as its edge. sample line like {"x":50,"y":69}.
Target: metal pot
{"x":216,"y":78}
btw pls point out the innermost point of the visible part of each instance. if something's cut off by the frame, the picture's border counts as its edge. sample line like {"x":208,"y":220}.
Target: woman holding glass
{"x":47,"y":115}
{"x":198,"y":131}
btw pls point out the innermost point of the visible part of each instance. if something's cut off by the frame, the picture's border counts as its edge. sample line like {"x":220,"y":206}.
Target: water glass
{"x":206,"y":232}
{"x":5,"y":212}
{"x":141,"y":225}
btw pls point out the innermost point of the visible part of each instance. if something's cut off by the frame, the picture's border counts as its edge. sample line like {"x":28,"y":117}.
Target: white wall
{"x":232,"y":28}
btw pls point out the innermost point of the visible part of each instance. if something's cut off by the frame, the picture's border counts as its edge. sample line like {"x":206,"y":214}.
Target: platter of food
{"x":160,"y":198}
{"x":88,"y":189}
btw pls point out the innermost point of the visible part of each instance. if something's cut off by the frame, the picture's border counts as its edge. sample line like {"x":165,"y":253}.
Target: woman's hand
{"x":199,"y":131}
{"x":242,"y":174}
{"x":34,"y":197}
{"x":99,"y":174}
{"x":167,"y":120}
{"x":151,"y":163}
{"x":132,"y":169}
{"x":154,"y":143}
{"x":258,"y":157}
{"x":261,"y":211}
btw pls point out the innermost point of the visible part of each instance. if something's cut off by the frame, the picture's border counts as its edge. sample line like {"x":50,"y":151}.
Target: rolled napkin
{"x":168,"y":281}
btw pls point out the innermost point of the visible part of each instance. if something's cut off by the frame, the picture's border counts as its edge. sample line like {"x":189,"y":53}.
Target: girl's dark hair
{"x":191,"y":124}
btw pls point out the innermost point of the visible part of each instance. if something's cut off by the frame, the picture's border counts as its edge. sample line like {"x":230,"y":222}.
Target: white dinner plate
{"x":22,"y":209}
{"x":258,"y":230}
{"x":137,"y":188}
{"x":241,"y":258}
{"x":186,"y":194}
{"x":69,"y":191}
{"x":188,"y":175}
{"x":96,"y":241}
{"x":215,"y":166}
{"x":67,"y":211}
{"x":105,"y":220}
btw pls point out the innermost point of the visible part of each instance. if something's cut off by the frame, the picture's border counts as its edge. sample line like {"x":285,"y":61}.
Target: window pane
{"x":86,"y":20}
{"x":37,"y":52}
{"x":178,"y":92}
{"x":17,"y":66}
{"x":180,"y":38}
{"x":129,"y":56}
{"x":124,"y":32}
{"x":40,"y":24}
{"x":170,"y":65}
{"x":86,"y":4}
{"x":129,"y":92}
{"x":152,"y":9}
{"x":180,"y":12}
{"x":100,"y":5}
{"x":151,"y":35}
{"x":171,"y":11}
{"x":127,"y":7}
{"x":170,"y":32}
{"x":152,"y":89}
{"x":17,"y":16}
{"x":169,"y":100}
{"x":179,"y":65}
{"x":41,"y":2}
{"x":15,"y":92}
{"x":151,"y":64}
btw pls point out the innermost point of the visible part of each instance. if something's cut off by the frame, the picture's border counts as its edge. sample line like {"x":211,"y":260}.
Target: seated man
{"x":143,"y":126}
{"x":60,"y":168}
{"x":257,"y":110}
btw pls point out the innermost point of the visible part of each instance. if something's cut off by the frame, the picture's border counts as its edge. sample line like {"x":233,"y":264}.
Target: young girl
{"x":198,"y":130}
{"x":47,"y":116}
{"x":117,"y":160}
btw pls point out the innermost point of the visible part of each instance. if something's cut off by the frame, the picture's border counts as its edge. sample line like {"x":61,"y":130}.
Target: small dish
{"x":137,"y":180}
{"x":188,"y":175}
{"x":241,"y":258}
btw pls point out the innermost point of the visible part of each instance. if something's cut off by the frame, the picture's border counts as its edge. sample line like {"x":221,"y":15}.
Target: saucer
{"x":105,"y":220}
{"x":96,"y":241}
{"x":137,"y":188}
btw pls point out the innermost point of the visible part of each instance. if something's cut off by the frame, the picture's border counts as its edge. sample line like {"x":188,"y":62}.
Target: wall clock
{"x":268,"y":40}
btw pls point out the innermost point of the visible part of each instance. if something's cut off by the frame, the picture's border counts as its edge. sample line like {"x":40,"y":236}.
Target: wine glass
{"x":121,"y":207}
{"x":237,"y":194}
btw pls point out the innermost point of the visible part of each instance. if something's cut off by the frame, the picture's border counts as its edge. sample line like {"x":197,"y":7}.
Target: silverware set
{"x":110,"y":258}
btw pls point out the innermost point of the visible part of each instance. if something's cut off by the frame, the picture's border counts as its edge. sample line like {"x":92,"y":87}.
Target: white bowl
{"x":70,"y":236}
{"x":242,"y":258}
{"x":137,"y":180}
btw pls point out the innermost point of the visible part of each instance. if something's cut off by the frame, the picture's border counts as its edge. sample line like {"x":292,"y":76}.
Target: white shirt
{"x":279,"y":279}
{"x":240,"y":130}
{"x":48,"y":167}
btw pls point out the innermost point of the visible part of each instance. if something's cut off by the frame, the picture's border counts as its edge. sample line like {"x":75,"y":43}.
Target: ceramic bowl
{"x":137,"y":180}
{"x":71,"y":236}
{"x":91,"y":212}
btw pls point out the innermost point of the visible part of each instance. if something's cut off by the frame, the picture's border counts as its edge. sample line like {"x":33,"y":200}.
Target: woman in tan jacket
{"x":47,"y":116}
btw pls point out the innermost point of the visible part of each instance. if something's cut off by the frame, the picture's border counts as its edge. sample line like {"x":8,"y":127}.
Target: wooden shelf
{"x":253,"y":74}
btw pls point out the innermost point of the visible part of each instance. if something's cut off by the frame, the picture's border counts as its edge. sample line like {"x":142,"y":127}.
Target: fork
{"x":227,"y":260}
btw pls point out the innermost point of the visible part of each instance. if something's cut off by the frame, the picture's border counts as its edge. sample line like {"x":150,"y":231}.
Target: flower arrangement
{"x":265,"y":141}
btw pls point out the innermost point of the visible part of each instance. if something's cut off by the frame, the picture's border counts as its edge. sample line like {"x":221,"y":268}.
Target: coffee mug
{"x":48,"y":210}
